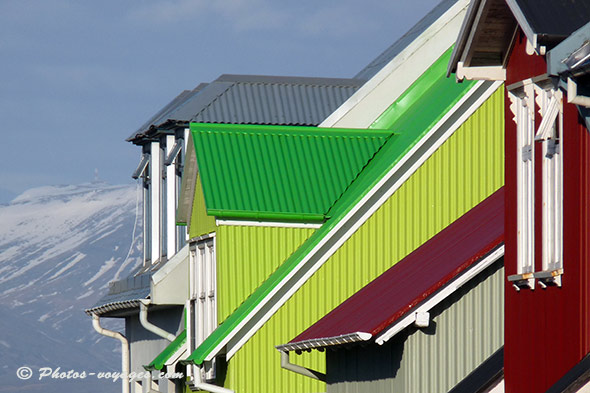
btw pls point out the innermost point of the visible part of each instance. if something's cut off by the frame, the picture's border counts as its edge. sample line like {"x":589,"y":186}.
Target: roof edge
{"x":113,"y":306}
{"x":308,"y":345}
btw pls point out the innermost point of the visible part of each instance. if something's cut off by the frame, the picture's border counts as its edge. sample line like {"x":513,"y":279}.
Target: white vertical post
{"x":155,"y":183}
{"x":170,"y":201}
{"x":184,"y":150}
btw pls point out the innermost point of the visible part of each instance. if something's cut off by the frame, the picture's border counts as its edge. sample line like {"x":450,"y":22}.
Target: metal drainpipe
{"x":124,"y":349}
{"x":207,"y":386}
{"x":143,"y":309}
{"x":287,"y":365}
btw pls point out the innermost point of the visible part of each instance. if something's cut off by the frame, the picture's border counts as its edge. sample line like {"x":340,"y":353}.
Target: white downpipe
{"x":208,"y":387}
{"x":143,"y":311}
{"x":287,"y":365}
{"x":156,"y":199}
{"x":170,"y":201}
{"x":124,"y":349}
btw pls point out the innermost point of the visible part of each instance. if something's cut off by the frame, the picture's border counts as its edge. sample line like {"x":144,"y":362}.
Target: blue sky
{"x":78,"y":77}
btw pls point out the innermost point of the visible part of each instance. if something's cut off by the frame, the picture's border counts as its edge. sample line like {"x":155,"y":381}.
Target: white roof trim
{"x":342,"y":231}
{"x":176,"y":260}
{"x":267,"y":224}
{"x":375,"y":96}
{"x":441,"y":295}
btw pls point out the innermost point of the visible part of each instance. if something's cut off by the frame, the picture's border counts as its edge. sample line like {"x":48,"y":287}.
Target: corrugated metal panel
{"x":412,"y":280}
{"x":465,"y":329}
{"x":246,"y":256}
{"x":276,"y":100}
{"x":163,"y":114}
{"x":254,"y":99}
{"x":465,"y":170}
{"x":278,"y":172}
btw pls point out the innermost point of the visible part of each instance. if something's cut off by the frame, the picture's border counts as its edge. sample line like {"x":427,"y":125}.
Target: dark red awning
{"x":412,"y":280}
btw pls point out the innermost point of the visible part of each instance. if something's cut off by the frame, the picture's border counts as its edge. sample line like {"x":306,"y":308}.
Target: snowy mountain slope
{"x":60,"y":246}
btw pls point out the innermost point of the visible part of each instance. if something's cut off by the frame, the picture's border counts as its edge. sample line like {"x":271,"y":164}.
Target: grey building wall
{"x":465,"y":330}
{"x":145,"y":346}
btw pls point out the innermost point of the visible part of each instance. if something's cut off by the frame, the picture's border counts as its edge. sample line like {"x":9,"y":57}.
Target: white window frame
{"x":202,"y":302}
{"x":522,"y":106}
{"x":549,"y":100}
{"x":550,"y":134}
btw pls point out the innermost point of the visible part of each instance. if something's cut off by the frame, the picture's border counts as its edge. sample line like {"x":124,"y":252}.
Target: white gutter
{"x":124,"y":349}
{"x":143,"y":307}
{"x":444,"y":293}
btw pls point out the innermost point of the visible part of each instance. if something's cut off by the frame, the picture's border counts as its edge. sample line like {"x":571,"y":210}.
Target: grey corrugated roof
{"x":376,"y":65}
{"x":123,"y":294}
{"x":553,"y":20}
{"x":256,"y":99}
{"x":276,"y":100}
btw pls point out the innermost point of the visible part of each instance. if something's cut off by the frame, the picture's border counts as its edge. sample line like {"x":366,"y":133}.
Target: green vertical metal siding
{"x":246,"y":256}
{"x":465,"y":329}
{"x":200,"y":223}
{"x":466,"y":169}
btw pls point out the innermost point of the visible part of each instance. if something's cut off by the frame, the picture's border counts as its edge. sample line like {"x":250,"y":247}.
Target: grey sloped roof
{"x":551,"y":20}
{"x":255,"y":99}
{"x":123,"y":294}
{"x":388,"y":54}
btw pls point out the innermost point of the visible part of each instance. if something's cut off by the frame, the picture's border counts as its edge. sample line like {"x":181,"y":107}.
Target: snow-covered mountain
{"x":60,"y":246}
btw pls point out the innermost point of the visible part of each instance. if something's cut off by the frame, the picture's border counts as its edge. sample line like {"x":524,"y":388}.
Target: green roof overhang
{"x":160,"y":361}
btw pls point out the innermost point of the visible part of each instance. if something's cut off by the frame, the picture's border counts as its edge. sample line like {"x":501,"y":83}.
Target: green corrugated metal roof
{"x":279,"y":172}
{"x":160,"y":360}
{"x":412,"y":115}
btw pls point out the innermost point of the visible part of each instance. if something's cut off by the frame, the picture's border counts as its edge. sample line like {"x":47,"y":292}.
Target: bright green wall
{"x":461,"y":173}
{"x":200,"y":223}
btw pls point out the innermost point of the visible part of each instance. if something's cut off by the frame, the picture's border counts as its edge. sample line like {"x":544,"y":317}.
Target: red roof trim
{"x":418,"y":276}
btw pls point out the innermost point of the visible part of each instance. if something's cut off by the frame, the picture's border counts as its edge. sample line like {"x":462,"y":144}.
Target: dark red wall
{"x":547,"y":331}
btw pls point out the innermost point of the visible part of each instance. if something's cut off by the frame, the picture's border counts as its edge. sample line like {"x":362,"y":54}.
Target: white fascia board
{"x":169,"y":285}
{"x":344,"y":229}
{"x":169,"y":266}
{"x":180,"y":354}
{"x":375,"y":96}
{"x":272,"y":224}
{"x":441,"y":295}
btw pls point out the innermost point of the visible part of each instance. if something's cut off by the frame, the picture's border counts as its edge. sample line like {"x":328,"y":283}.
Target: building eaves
{"x":550,"y":20}
{"x":123,"y":295}
{"x":413,"y":281}
{"x":163,"y":114}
